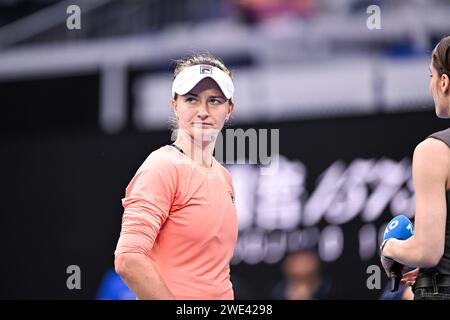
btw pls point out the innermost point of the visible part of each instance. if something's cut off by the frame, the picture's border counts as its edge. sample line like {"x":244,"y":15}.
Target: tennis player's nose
{"x":203,"y":111}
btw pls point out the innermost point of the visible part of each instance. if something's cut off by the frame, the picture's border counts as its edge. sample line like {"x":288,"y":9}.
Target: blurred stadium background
{"x":81,"y":110}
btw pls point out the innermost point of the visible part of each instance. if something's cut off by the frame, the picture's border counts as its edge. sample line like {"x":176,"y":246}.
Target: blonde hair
{"x":200,"y":58}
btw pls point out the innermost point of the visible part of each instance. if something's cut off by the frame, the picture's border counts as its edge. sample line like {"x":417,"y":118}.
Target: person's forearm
{"x":141,"y":276}
{"x":409,"y":252}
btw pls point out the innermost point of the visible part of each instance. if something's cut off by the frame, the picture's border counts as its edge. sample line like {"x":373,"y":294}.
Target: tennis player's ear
{"x":445,"y":84}
{"x":174,"y":105}
{"x":230,"y":109}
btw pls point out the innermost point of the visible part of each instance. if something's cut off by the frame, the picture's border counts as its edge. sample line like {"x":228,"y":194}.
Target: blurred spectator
{"x":256,"y":11}
{"x":303,"y":279}
{"x":403,"y":293}
{"x":113,"y":288}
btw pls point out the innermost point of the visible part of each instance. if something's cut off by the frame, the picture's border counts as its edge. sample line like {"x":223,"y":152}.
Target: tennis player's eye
{"x":217,"y":101}
{"x":190,"y":99}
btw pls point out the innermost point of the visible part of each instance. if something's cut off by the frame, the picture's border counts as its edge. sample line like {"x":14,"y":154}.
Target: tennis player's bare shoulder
{"x":432,"y":147}
{"x":432,"y":159}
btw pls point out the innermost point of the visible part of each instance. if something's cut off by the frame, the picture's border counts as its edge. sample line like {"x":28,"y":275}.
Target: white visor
{"x":189,"y":77}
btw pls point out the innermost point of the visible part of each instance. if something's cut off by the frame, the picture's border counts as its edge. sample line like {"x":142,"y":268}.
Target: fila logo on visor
{"x":205,"y":70}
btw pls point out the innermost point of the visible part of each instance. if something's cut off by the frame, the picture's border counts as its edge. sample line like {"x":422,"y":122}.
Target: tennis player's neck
{"x":202,"y":154}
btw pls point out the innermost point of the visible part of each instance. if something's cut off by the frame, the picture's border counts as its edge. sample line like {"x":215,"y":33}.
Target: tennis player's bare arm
{"x":431,"y":165}
{"x":140,"y":275}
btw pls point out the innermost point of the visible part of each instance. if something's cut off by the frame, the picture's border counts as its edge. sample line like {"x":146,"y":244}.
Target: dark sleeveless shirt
{"x":443,"y":267}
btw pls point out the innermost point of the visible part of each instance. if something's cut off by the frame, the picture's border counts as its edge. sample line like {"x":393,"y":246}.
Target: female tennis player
{"x":179,"y":226}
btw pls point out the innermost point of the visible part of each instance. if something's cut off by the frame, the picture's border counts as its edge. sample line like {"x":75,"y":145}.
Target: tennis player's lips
{"x":202,"y":124}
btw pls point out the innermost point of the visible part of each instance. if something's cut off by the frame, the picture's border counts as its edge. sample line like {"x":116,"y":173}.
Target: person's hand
{"x":410,"y":277}
{"x":387,"y":264}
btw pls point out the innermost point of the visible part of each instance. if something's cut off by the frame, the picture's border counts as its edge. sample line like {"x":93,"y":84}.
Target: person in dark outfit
{"x":429,"y":248}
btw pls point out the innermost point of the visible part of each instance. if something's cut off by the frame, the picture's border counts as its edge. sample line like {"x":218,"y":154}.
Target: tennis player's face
{"x":202,"y":111}
{"x":440,"y":93}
